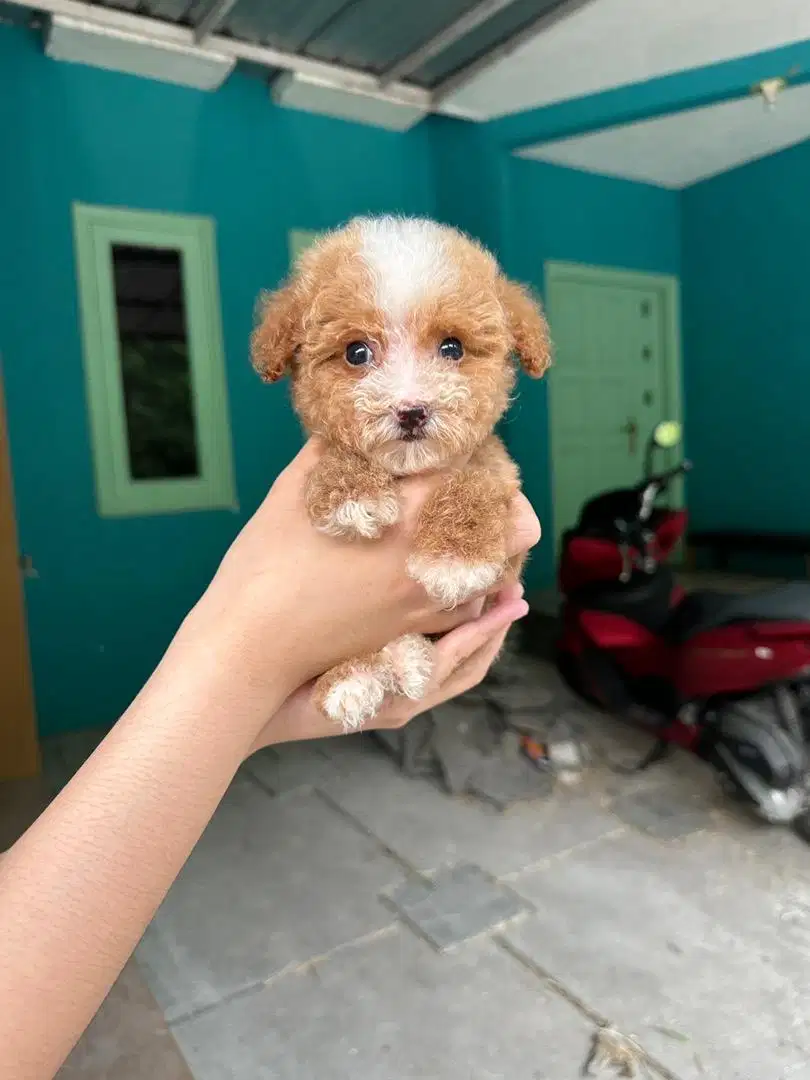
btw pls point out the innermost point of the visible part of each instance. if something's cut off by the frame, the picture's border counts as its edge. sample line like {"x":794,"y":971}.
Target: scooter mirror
{"x":667,"y":434}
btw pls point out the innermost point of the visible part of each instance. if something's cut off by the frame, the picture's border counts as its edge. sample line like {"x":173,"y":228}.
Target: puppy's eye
{"x":451,"y":349}
{"x":358,"y":353}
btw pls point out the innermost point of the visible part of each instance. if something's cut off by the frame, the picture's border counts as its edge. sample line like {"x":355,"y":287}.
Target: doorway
{"x":19,"y":752}
{"x":616,"y":374}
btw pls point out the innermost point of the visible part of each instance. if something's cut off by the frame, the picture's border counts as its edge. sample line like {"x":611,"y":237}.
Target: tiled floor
{"x":297,"y":941}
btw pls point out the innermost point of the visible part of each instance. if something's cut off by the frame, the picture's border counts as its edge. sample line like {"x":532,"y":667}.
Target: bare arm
{"x":79,"y":888}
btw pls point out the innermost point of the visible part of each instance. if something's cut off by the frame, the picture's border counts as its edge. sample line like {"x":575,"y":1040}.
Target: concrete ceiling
{"x":612,"y":43}
{"x":678,"y":150}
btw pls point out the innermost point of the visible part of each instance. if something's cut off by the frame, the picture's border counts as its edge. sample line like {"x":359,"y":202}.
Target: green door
{"x":614,"y":377}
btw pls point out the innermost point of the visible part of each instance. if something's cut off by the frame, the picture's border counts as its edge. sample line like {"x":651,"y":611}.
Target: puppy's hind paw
{"x":412,"y":662}
{"x":451,"y":581}
{"x":352,"y":700}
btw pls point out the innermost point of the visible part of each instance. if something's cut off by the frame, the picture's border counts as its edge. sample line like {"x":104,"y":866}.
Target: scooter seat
{"x":708,"y":610}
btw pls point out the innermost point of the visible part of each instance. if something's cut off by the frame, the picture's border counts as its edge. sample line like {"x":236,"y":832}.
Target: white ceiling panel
{"x":309,"y":94}
{"x":82,"y":41}
{"x":610,"y":43}
{"x":678,"y":150}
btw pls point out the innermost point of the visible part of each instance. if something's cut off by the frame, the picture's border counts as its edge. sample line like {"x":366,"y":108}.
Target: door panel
{"x":608,"y":385}
{"x":19,"y":756}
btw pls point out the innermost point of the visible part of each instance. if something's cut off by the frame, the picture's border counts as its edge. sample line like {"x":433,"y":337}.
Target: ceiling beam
{"x":156,"y":32}
{"x":482,"y":12}
{"x":563,"y":10}
{"x":213,"y":16}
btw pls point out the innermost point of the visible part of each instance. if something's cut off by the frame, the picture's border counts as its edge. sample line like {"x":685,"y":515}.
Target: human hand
{"x":288,"y":603}
{"x":462,"y":659}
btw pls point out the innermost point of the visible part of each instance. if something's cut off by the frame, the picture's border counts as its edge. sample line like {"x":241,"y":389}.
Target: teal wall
{"x":470,"y":178}
{"x":746,"y":329}
{"x":572,"y":216}
{"x":530,"y":212}
{"x":111,"y":592}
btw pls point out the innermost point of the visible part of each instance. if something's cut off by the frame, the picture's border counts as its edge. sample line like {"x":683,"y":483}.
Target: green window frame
{"x":96,"y":229}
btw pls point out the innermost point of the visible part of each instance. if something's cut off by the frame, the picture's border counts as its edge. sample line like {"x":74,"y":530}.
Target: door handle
{"x":630,"y":429}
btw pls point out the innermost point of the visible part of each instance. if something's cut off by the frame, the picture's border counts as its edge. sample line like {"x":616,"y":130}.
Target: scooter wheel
{"x":801,"y":825}
{"x":757,"y":759}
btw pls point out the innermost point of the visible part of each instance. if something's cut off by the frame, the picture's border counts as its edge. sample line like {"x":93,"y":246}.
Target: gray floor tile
{"x":286,"y":768}
{"x":509,"y":778}
{"x":128,"y":1038}
{"x":272,"y":882}
{"x":458,"y":903}
{"x":758,"y":897}
{"x":431,"y":829}
{"x":641,"y":931}
{"x":662,"y":812}
{"x":389,"y":1010}
{"x":778,"y":847}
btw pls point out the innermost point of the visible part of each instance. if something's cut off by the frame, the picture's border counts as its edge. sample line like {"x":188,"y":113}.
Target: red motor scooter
{"x":726,"y":676}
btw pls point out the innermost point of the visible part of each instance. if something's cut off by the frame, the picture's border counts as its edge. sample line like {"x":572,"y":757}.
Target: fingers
{"x":460,"y":644}
{"x":475,"y":668}
{"x":443,"y":621}
{"x":525,"y":531}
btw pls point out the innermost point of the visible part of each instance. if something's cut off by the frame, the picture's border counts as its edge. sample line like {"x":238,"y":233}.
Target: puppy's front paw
{"x":353,"y":699}
{"x":450,"y":581}
{"x":412,"y":664}
{"x":361,"y":517}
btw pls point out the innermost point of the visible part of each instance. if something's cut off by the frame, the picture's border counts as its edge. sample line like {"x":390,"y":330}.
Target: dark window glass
{"x":155,"y":364}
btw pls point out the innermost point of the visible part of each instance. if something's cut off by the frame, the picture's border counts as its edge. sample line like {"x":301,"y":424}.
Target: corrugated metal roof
{"x":515,"y":17}
{"x":373,"y":34}
{"x":366,"y":35}
{"x":14,"y":16}
{"x":284,"y":24}
{"x":171,"y":10}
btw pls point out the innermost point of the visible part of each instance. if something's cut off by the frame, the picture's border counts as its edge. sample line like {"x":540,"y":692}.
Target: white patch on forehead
{"x":408,"y":257}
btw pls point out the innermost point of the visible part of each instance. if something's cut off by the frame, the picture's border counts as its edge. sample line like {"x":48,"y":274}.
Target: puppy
{"x":399,"y":335}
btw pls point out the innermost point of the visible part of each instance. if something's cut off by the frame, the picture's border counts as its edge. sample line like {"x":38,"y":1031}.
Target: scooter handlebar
{"x":660,"y":480}
{"x":651,"y":488}
{"x":634,"y":532}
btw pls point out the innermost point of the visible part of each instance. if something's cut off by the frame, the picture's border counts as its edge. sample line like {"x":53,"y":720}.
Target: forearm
{"x":79,"y":888}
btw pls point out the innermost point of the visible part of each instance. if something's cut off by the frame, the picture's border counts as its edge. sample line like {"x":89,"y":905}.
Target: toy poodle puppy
{"x":399,"y":335}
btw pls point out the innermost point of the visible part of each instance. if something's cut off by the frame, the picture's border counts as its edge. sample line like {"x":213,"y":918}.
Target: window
{"x":153,"y":361}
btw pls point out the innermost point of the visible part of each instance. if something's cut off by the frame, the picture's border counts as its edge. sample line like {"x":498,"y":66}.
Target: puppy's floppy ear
{"x":278,"y":333}
{"x":528,"y":327}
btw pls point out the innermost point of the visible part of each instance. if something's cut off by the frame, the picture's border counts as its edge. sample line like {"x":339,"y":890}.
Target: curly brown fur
{"x":349,"y":495}
{"x":352,"y":692}
{"x":412,"y":293}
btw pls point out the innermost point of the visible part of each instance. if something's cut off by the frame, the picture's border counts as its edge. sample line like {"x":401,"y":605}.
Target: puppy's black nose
{"x":412,"y":418}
